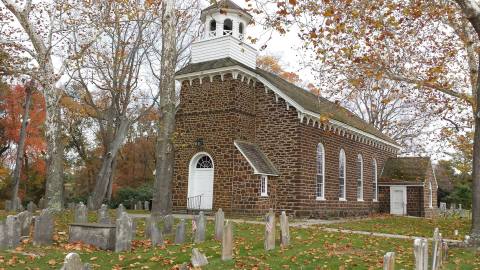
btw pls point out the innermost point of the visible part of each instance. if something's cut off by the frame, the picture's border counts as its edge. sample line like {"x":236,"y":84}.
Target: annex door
{"x":398,"y":200}
{"x":200,"y":182}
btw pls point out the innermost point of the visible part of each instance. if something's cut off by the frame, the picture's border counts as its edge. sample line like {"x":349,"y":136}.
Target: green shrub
{"x":128,"y":196}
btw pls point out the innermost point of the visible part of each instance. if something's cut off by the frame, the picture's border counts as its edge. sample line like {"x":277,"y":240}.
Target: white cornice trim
{"x":302,"y":111}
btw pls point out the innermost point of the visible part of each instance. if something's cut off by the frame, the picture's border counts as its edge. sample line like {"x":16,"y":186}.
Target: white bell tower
{"x":225,"y":34}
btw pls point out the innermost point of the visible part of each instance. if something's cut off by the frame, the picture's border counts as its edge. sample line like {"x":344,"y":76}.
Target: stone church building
{"x":246,"y":140}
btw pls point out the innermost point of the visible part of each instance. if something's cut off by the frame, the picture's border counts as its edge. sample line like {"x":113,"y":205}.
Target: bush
{"x":128,"y":196}
{"x":461,"y":194}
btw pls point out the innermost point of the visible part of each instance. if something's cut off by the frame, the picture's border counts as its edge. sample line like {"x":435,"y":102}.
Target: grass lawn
{"x":410,"y":226}
{"x":311,"y":248}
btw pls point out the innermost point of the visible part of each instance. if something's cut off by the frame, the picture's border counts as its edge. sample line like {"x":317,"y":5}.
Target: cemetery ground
{"x":310,"y":248}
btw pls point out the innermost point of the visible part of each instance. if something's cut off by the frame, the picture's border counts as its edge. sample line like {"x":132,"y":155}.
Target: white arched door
{"x":200,"y":181}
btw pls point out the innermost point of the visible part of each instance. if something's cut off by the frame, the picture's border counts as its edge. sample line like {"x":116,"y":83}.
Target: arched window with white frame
{"x":374,"y":180}
{"x":359,"y":177}
{"x":227,"y":27}
{"x":320,"y":179}
{"x":342,"y":169}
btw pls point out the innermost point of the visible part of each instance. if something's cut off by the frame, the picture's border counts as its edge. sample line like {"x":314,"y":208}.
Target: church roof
{"x":256,"y":158}
{"x":303,"y":97}
{"x":405,"y":170}
{"x":223,"y":4}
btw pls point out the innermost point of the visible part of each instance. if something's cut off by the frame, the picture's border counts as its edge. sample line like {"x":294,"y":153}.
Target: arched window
{"x":374,"y":180}
{"x":213,"y":25}
{"x":430,"y":202}
{"x":204,"y":163}
{"x":359,"y":178}
{"x":240,"y":28}
{"x":227,"y":27}
{"x":342,"y":194}
{"x":320,"y":172}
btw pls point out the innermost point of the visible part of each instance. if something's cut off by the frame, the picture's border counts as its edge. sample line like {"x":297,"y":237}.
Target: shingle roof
{"x":301,"y":96}
{"x":405,"y":169}
{"x":224,"y":4}
{"x":256,"y":158}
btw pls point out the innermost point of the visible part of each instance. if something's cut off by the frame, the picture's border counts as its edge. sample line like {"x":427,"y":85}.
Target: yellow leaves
{"x":52,"y":262}
{"x":329,"y":12}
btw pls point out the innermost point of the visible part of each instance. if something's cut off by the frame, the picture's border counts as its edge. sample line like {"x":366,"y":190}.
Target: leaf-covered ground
{"x":311,"y":248}
{"x":410,"y":226}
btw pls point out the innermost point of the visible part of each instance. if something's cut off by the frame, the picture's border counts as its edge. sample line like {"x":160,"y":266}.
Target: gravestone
{"x":155,"y":234}
{"x":81,"y":213}
{"x":138,"y":205}
{"x":420,"y":250}
{"x":227,"y":242}
{"x":284,"y":230}
{"x":445,"y":251}
{"x":3,"y":235}
{"x":41,"y":203}
{"x":389,"y":261}
{"x":43,"y":229}
{"x":168,"y":222}
{"x":460,"y":207}
{"x":269,"y":243}
{"x":96,"y":234}
{"x":200,"y":230}
{"x":134,"y":228}
{"x":443,"y":206}
{"x":25,"y":219}
{"x":71,"y":206}
{"x":17,"y":205}
{"x":198,"y":259}
{"x":13,"y":231}
{"x":73,"y":262}
{"x":120,"y":210}
{"x":103,"y":216}
{"x":146,"y":205}
{"x":452,"y":206}
{"x":90,"y":205}
{"x":123,"y":233}
{"x":436,"y":247}
{"x":8,"y":205}
{"x":219,"y":223}
{"x":31,"y":207}
{"x":180,"y":232}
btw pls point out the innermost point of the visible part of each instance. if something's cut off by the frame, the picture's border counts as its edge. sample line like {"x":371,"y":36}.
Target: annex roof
{"x":305,"y":99}
{"x":405,"y":170}
{"x":256,"y":158}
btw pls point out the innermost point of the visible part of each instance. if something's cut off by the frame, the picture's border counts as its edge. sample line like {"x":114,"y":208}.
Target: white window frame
{"x":320,"y":173}
{"x":263,"y":185}
{"x":342,"y":175}
{"x":430,"y":202}
{"x":375,"y":179}
{"x":360,"y":178}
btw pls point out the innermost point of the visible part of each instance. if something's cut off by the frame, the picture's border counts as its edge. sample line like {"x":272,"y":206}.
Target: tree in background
{"x":272,"y":64}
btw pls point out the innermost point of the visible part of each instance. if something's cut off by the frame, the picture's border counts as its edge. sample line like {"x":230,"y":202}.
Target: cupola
{"x":224,"y":35}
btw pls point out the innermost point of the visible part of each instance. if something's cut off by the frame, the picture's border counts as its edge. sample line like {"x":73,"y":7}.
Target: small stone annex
{"x":246,"y":140}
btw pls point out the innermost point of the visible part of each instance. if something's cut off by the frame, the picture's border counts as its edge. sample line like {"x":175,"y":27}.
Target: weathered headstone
{"x":95,"y":234}
{"x":134,"y":228}
{"x":227,"y":242}
{"x":389,"y":261}
{"x":13,"y":231}
{"x":17,"y":205}
{"x":200,"y":230}
{"x":43,"y":229}
{"x":120,"y":210}
{"x":437,"y":238}
{"x":138,"y":205}
{"x":103,"y":216}
{"x":443,"y":206}
{"x":81,"y":213}
{"x":460,"y":206}
{"x":146,"y":205}
{"x":269,"y":243}
{"x":73,"y":262}
{"x":155,"y":234}
{"x":445,"y":251}
{"x":41,"y":203}
{"x":90,"y":205}
{"x":8,"y":205}
{"x":168,"y":221}
{"x":455,"y":232}
{"x":198,"y":259}
{"x":180,"y":232}
{"x":31,"y":207}
{"x":123,"y":233}
{"x":25,"y":219}
{"x":219,"y":223}
{"x":420,"y":249}
{"x":284,"y":230}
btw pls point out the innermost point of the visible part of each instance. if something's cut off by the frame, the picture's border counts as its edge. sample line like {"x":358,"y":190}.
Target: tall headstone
{"x":8,"y":205}
{"x":436,"y":246}
{"x":41,"y":203}
{"x":389,"y":261}
{"x":443,"y":206}
{"x":31,"y":207}
{"x":3,"y":235}
{"x":284,"y":229}
{"x":90,"y":205}
{"x":120,"y":210}
{"x":13,"y":231}
{"x":138,"y":205}
{"x":168,"y":221}
{"x":146,"y":205}
{"x":25,"y":219}
{"x":103,"y":216}
{"x":420,"y":250}
{"x":73,"y":262}
{"x":200,"y":230}
{"x":269,"y":243}
{"x":81,"y":213}
{"x":227,"y":242}
{"x":17,"y":205}
{"x":123,"y":233}
{"x":445,"y":251}
{"x":43,"y":229}
{"x":155,"y":234}
{"x":180,"y":232}
{"x":198,"y":259}
{"x":219,"y":223}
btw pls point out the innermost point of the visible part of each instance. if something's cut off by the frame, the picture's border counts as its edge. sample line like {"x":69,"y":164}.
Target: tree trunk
{"x":53,"y":130}
{"x":110,"y":182}
{"x":103,"y":177}
{"x":475,"y":233}
{"x":21,"y":146}
{"x":162,"y":203}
